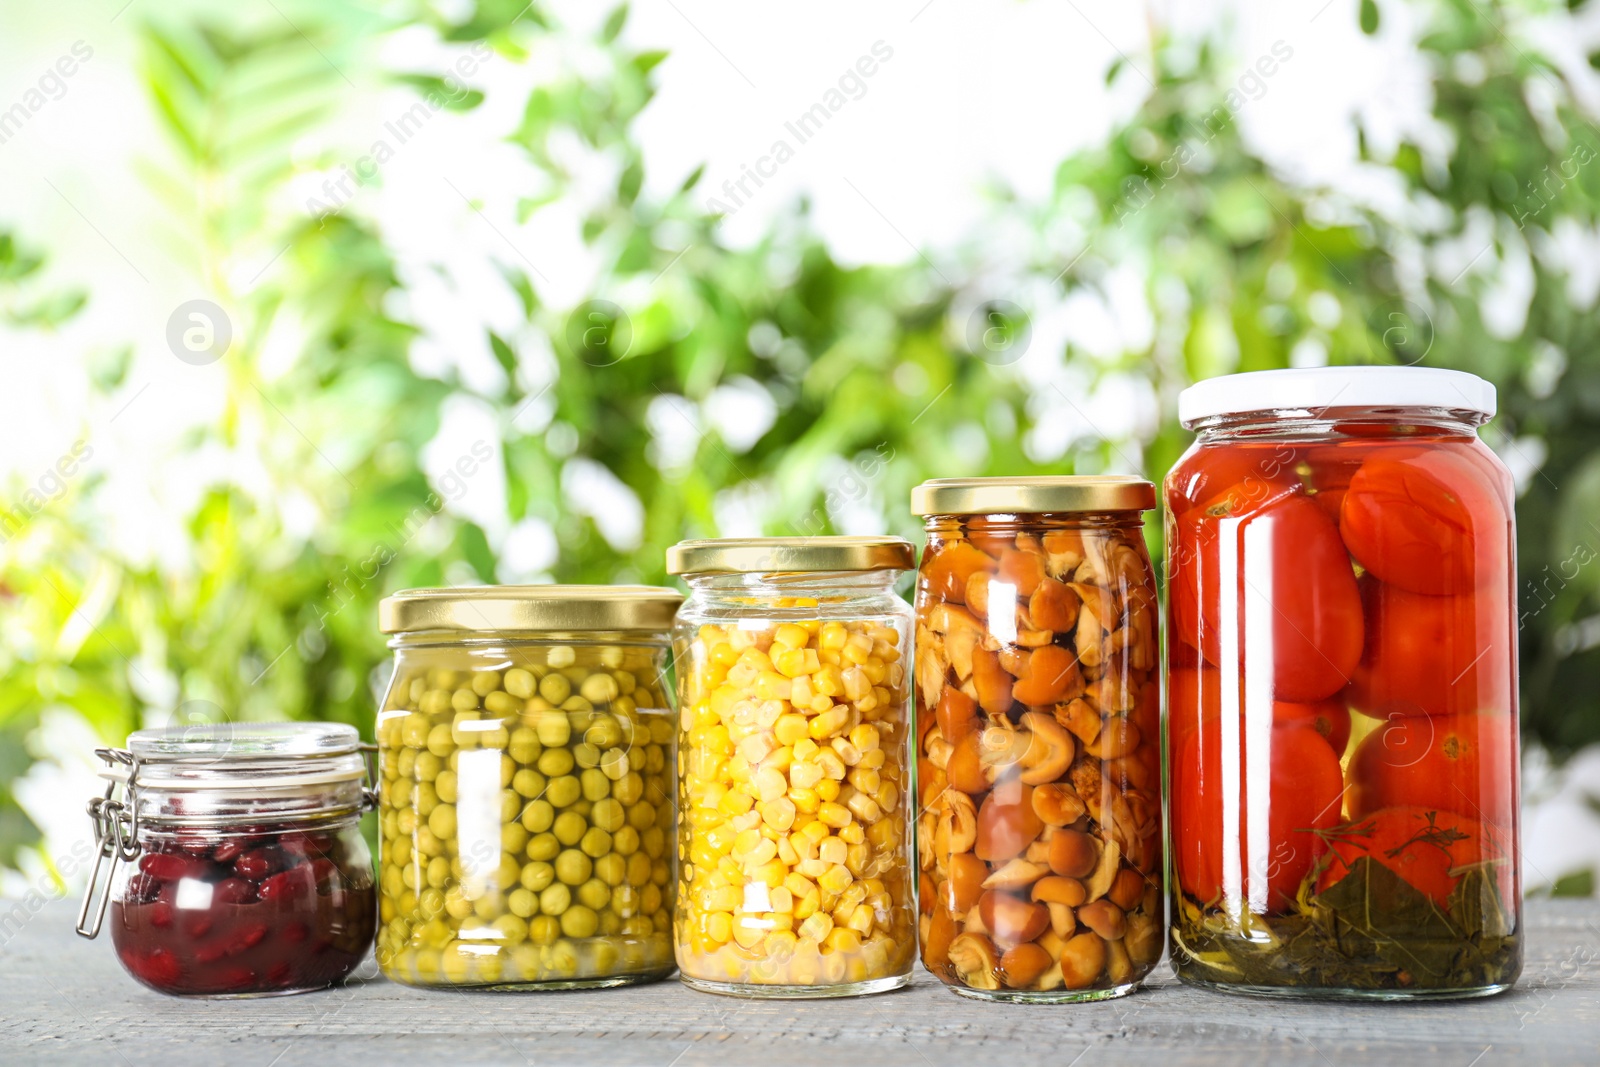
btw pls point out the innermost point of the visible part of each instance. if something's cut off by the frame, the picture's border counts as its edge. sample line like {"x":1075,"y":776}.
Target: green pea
{"x":510,"y":806}
{"x":415,"y":731}
{"x":553,"y":727}
{"x":543,"y":847}
{"x":544,"y":929}
{"x":596,"y":842}
{"x":442,"y":821}
{"x":434,"y":702}
{"x":428,"y":766}
{"x":586,"y":755}
{"x":438,"y":872}
{"x":513,"y":928}
{"x":608,"y":814}
{"x":464,"y":700}
{"x":445,"y":786}
{"x":502,"y":704}
{"x":555,"y":688}
{"x":614,"y":765}
{"x":510,"y":871}
{"x":573,"y":867}
{"x":579,"y":921}
{"x":599,"y":688}
{"x":538,"y":815}
{"x":524,"y":745}
{"x":563,"y":792}
{"x":612,"y":869}
{"x":624,"y":841}
{"x":629,"y":788}
{"x":596,"y":786}
{"x":537,"y":876}
{"x":513,"y":837}
{"x":594,"y":894}
{"x":555,"y":762}
{"x":407,"y":763}
{"x":661,"y":730}
{"x":555,"y":899}
{"x":485,"y":682}
{"x":625,"y":900}
{"x":431,"y":902}
{"x":604,"y":732}
{"x":424,"y":798}
{"x":522,"y":902}
{"x":519,"y":683}
{"x":642,"y":816}
{"x":528,"y":783}
{"x":570,"y":827}
{"x":626,"y":682}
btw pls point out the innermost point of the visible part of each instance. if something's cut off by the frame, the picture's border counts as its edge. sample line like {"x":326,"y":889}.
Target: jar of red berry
{"x":244,"y":872}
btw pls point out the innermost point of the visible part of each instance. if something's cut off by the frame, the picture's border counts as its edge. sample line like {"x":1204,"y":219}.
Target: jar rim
{"x":1316,"y":389}
{"x":530,"y":608}
{"x":243,"y":741}
{"x":783,"y":555}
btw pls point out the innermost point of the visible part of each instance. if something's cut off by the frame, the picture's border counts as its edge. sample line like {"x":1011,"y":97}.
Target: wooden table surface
{"x":66,"y":1000}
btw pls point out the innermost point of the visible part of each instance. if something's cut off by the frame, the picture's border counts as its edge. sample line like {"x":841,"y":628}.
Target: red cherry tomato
{"x":1465,"y":764}
{"x":1193,"y":693}
{"x":1304,"y":791}
{"x":1296,"y":597}
{"x":1434,"y":655}
{"x":1429,"y":849}
{"x":1245,"y":477}
{"x":1330,"y":718}
{"x":1429,"y":522}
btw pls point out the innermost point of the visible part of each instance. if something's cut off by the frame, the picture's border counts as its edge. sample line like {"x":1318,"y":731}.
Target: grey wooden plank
{"x":65,"y":1000}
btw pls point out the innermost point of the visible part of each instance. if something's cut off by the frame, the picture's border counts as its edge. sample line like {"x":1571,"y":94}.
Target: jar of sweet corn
{"x":792,"y":657}
{"x":525,"y":788}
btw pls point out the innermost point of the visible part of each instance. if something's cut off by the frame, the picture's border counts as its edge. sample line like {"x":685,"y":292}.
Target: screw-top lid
{"x":773,"y":555}
{"x":1316,"y":389}
{"x":539,"y":608}
{"x":1031,"y":496}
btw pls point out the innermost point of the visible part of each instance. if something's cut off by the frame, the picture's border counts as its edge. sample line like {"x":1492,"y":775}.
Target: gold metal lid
{"x":530,"y":607}
{"x":1026,"y":496}
{"x":772,"y":555}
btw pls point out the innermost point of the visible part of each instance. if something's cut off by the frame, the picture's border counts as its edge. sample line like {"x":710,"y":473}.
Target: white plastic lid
{"x":1315,"y":389}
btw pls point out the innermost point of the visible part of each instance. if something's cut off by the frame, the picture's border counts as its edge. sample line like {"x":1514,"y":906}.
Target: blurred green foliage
{"x":870,"y":370}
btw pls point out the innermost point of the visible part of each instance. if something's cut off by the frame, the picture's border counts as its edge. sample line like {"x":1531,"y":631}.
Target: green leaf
{"x":1369,"y":17}
{"x":613,"y":24}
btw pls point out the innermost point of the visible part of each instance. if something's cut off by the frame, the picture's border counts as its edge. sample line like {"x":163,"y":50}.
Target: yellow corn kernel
{"x":813,"y":868}
{"x":832,"y":851}
{"x":834,"y":815}
{"x":804,"y":775}
{"x":858,"y":649}
{"x":791,"y":635}
{"x":736,"y":803}
{"x":817,"y":927}
{"x":865,"y":737}
{"x":887,"y":796}
{"x":770,"y":783}
{"x":762,"y":854}
{"x":864,"y":807}
{"x":857,"y":858}
{"x":828,"y":681}
{"x":719,"y":927}
{"x":883,"y":836}
{"x":805,"y":800}
{"x":852,"y":834}
{"x":856,"y":683}
{"x":808,"y":905}
{"x":786,"y":852}
{"x":817,"y":831}
{"x":772,"y":686}
{"x":828,"y":789}
{"x":790,"y":729}
{"x":772,"y":873}
{"x":865,"y":779}
{"x":874,"y":760}
{"x":748,"y":937}
{"x":837,"y":879}
{"x":778,"y":814}
{"x":833,"y":636}
{"x":756,"y":747}
{"x":800,"y":691}
{"x":723,"y":898}
{"x":830,"y":722}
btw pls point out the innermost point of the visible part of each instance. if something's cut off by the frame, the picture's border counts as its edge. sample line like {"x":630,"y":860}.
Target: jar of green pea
{"x":526,"y":756}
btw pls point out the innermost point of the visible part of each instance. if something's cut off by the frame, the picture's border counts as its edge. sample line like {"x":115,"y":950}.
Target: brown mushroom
{"x":942,"y":930}
{"x":1073,"y":854}
{"x":1127,"y":889}
{"x":1022,"y":965}
{"x":1080,"y":718}
{"x":1143,"y":939}
{"x":1119,"y":968}
{"x":1021,"y":570}
{"x":1082,"y":960}
{"x":945,"y":569}
{"x":1099,"y":881}
{"x":1104,"y":918}
{"x":1057,"y":804}
{"x":1054,"y":889}
{"x":965,"y":887}
{"x":957,"y":714}
{"x":1063,"y":552}
{"x":957,"y":829}
{"x":978,"y":593}
{"x":965,"y":766}
{"x":1016,"y":874}
{"x":1007,"y":822}
{"x":994,"y":684}
{"x":1011,"y":920}
{"x":1054,"y":606}
{"x":1118,"y":738}
{"x":1050,"y":675}
{"x":1050,"y":752}
{"x":973,"y":957}
{"x":1062,"y":921}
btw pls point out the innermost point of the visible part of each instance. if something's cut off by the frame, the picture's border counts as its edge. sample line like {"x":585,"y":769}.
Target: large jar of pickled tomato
{"x":525,"y":783}
{"x":1038,"y":737}
{"x":238,"y":868}
{"x":1342,"y":689}
{"x":794,"y":779}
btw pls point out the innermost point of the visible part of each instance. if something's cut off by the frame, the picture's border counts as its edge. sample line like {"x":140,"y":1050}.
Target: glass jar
{"x":245,"y":871}
{"x":525,"y":752}
{"x":1342,"y":687}
{"x":1038,"y":727}
{"x":794,"y":776}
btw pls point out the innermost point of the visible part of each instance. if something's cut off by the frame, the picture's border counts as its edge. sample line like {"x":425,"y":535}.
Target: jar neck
{"x":218,"y":793}
{"x":806,"y":588}
{"x":950,"y":525}
{"x":526,"y":638}
{"x":1363,"y":422}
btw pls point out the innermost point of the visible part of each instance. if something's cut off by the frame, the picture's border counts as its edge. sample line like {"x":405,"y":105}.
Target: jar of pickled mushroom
{"x":1038,"y":734}
{"x":242,"y":868}
{"x":526,"y":755}
{"x":794,"y":773}
{"x":1343,"y":687}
